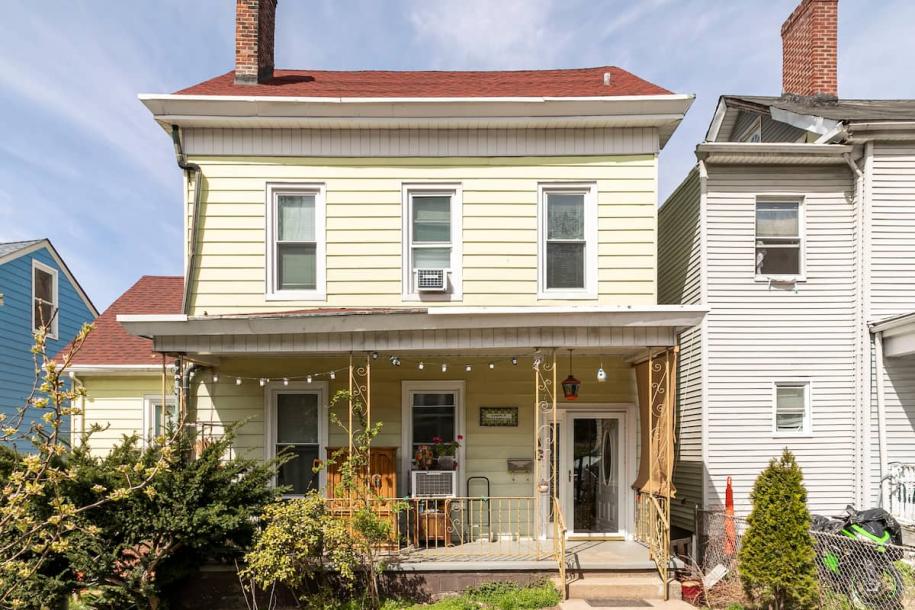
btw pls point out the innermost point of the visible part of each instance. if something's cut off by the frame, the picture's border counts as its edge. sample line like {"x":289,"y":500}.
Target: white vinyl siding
{"x":520,"y":142}
{"x":760,"y":333}
{"x":296,"y":242}
{"x":892,"y":291}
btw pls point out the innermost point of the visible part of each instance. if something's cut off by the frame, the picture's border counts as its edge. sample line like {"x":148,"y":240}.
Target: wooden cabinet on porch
{"x":382,"y":479}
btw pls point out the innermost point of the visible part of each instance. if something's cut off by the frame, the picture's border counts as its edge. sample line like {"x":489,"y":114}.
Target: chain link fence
{"x":853,"y":574}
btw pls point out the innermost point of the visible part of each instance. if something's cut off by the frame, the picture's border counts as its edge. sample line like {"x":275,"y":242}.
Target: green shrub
{"x":193,"y":511}
{"x":777,"y":558}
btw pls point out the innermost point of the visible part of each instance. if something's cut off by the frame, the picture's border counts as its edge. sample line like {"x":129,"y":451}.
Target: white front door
{"x":593,"y":471}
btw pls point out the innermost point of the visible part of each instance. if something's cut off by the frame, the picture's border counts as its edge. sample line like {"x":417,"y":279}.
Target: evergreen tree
{"x":777,"y":558}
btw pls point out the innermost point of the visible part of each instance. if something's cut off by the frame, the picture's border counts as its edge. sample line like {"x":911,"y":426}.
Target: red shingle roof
{"x":110,"y":344}
{"x":580,"y":82}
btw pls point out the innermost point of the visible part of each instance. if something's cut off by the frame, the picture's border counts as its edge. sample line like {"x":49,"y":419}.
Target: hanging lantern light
{"x":601,"y":374}
{"x":333,"y":374}
{"x":571,"y":385}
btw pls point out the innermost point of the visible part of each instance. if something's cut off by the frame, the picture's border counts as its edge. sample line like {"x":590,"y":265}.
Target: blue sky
{"x":82,"y":162}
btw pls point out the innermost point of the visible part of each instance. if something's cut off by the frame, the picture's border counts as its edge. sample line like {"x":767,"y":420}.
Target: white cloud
{"x":484,"y":34}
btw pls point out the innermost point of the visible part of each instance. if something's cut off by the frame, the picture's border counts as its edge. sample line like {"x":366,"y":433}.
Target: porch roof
{"x":898,"y":334}
{"x":341,"y":330}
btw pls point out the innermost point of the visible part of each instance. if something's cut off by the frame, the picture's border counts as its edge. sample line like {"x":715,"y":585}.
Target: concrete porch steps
{"x":620,"y":585}
{"x":621,"y":604}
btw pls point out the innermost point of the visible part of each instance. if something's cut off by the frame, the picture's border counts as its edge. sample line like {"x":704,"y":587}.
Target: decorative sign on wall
{"x":499,"y":416}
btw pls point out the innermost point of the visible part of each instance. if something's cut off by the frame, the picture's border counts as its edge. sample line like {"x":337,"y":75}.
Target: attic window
{"x":753,"y":133}
{"x":44,"y":299}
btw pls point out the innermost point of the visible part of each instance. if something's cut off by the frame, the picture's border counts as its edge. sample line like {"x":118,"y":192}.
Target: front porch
{"x":542,"y":475}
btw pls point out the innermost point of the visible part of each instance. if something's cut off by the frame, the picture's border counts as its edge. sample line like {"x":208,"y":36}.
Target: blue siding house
{"x":36,"y":288}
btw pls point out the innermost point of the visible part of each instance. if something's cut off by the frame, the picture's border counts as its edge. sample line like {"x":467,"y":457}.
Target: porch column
{"x":546,"y":481}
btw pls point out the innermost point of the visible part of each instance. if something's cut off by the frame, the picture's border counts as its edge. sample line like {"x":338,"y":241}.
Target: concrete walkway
{"x":620,"y":604}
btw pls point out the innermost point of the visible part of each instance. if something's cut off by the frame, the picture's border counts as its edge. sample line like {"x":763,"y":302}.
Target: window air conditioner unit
{"x":434,"y":483}
{"x":431,"y":280}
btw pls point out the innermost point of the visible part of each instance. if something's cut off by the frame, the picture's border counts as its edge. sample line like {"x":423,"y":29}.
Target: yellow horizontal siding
{"x":486,"y":449}
{"x":116,"y":404}
{"x":364,"y":227}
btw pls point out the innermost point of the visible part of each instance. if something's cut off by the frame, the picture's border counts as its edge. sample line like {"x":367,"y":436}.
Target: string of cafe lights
{"x":394,"y":361}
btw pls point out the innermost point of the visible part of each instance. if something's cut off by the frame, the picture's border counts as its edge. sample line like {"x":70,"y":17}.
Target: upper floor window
{"x":567,"y":252}
{"x":296,"y":242}
{"x":779,"y":241}
{"x":44,"y":298}
{"x":432,"y":242}
{"x":792,"y":407}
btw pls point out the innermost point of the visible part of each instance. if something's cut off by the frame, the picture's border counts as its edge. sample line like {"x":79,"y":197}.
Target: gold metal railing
{"x":559,"y":545}
{"x":653,"y":530}
{"x":458,"y":529}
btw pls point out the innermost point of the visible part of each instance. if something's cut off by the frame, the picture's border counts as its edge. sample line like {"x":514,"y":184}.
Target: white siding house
{"x":788,"y":356}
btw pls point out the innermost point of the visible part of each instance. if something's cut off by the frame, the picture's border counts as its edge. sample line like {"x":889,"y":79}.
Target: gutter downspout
{"x":82,"y":411}
{"x":862,"y":350}
{"x":186,"y":376}
{"x":189,"y":168}
{"x":881,"y":410}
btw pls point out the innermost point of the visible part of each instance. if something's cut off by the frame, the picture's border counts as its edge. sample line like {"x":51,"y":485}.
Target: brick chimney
{"x":255,"y":25}
{"x":809,"y":49}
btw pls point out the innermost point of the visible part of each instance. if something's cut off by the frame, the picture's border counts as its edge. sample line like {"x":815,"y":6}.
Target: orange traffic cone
{"x":730,"y":530}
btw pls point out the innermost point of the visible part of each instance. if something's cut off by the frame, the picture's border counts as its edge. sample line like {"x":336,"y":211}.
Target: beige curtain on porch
{"x":657,"y":433}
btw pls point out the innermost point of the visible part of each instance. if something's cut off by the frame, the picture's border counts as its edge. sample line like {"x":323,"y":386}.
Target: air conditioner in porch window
{"x":434,"y":483}
{"x":431,"y":280}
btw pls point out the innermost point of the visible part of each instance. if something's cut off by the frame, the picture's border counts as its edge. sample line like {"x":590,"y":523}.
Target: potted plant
{"x":445,"y":452}
{"x":424,"y":457}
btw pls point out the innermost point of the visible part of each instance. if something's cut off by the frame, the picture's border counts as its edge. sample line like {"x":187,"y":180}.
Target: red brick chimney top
{"x":255,"y":26}
{"x":809,"y":49}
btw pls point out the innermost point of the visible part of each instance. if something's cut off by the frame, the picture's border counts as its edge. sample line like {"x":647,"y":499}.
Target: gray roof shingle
{"x":12,"y":246}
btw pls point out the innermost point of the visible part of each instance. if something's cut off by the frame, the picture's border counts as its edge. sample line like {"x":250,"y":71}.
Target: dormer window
{"x":296,"y":242}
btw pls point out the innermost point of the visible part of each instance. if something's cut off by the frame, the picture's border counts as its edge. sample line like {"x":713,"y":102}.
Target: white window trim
{"x":808,"y":408}
{"x":408,"y":388}
{"x":272,"y":293}
{"x":590,"y":289}
{"x":455,"y":272}
{"x":801,"y":276}
{"x":55,"y":323}
{"x":149,"y":413}
{"x":754,"y":127}
{"x":271,"y":391}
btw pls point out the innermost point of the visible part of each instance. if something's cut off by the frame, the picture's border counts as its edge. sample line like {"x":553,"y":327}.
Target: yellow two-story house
{"x":473,"y":255}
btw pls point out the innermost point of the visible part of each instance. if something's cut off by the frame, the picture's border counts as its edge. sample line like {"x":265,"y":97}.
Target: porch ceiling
{"x":320,"y":331}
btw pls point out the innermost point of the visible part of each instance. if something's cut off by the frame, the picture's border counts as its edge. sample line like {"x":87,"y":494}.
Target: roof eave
{"x":680,"y":316}
{"x":663,"y":112}
{"x":772,"y":153}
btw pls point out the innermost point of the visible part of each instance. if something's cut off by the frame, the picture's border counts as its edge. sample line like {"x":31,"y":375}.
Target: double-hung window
{"x":297,"y":429}
{"x":779,"y":241}
{"x":792,"y":407}
{"x":44,"y":299}
{"x":568,"y":242}
{"x":296,"y":248}
{"x":432,"y":240}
